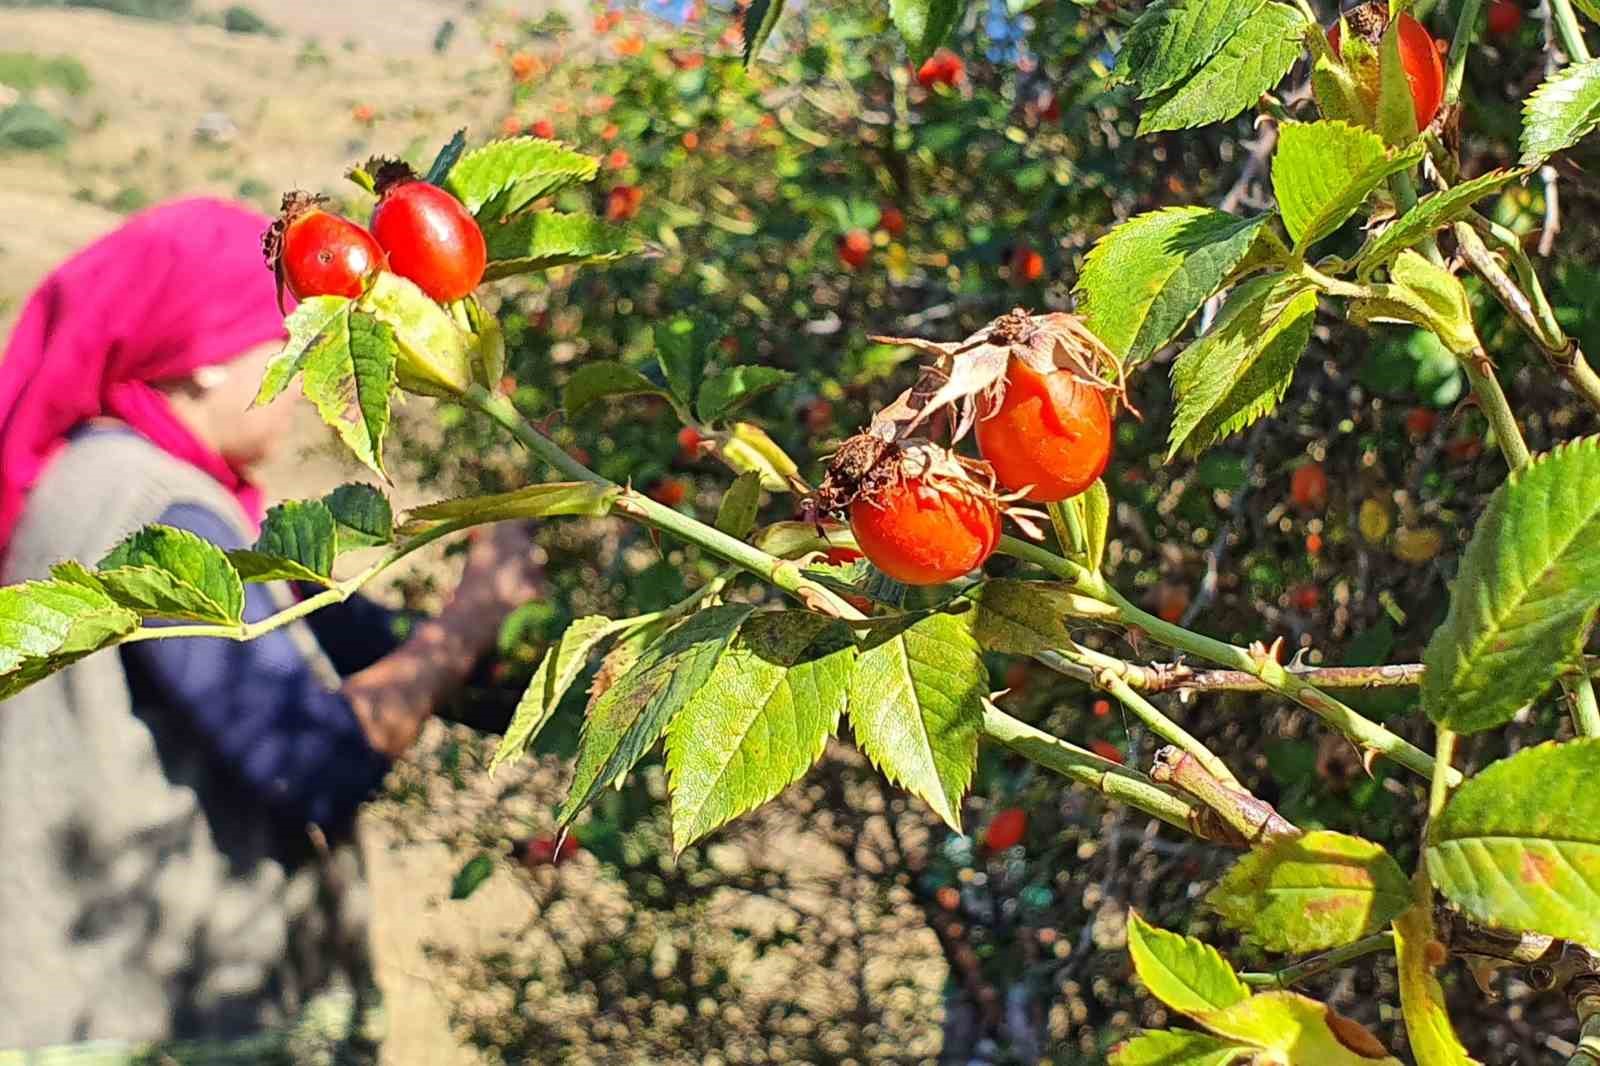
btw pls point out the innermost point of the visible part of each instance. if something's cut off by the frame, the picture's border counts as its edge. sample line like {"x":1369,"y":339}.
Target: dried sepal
{"x":967,"y":378}
{"x":295,"y":203}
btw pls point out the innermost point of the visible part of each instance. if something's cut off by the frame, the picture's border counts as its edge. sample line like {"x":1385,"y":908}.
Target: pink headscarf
{"x":177,"y":287}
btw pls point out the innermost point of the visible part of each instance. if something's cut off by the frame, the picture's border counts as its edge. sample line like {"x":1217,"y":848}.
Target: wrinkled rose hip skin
{"x":430,"y":238}
{"x":1050,"y":432}
{"x":922,"y":532}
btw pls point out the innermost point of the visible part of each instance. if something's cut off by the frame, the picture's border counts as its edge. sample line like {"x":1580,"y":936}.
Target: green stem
{"x":1405,"y":198}
{"x":1585,"y":710}
{"x":1273,"y":674}
{"x":1570,"y":30}
{"x":1460,"y":44}
{"x":1493,"y":403}
{"x":336,"y":593}
{"x":1444,"y":750}
{"x":1069,"y":528}
{"x":779,"y":572}
{"x":1308,"y":968}
{"x":1087,"y":768}
{"x":1107,"y":674}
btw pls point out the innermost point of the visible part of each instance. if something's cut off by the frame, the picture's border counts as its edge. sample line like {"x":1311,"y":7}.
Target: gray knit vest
{"x":144,"y":894}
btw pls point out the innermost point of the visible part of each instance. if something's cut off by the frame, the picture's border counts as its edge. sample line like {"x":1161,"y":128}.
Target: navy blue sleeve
{"x":356,"y":633}
{"x":262,"y":706}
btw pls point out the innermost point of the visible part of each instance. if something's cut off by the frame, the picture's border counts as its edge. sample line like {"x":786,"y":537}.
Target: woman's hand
{"x":502,"y":574}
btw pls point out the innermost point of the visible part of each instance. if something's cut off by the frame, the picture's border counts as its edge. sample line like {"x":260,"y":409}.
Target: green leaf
{"x":682,"y":347}
{"x":760,"y":19}
{"x":1311,"y":892}
{"x":1252,"y":61}
{"x":1177,"y":1047}
{"x":633,"y":712}
{"x":1560,"y":112}
{"x":605,"y":380}
{"x":1433,"y":1039}
{"x":924,"y":24}
{"x":736,"y":514}
{"x":1144,"y":281}
{"x":1590,"y":8}
{"x":502,"y":177}
{"x":446,"y":159}
{"x":760,"y":720}
{"x":1172,"y":38}
{"x":1518,"y":846}
{"x":1525,"y":596}
{"x":749,"y":448}
{"x":297,"y":543}
{"x":171,"y":573}
{"x":1180,"y":971}
{"x":348,"y":378}
{"x":916,"y":704}
{"x":471,"y":877}
{"x":361,"y":515}
{"x":534,"y":242}
{"x":1422,"y":294}
{"x":562,"y":664}
{"x":435,"y":354}
{"x":314,"y":317}
{"x":47,"y":625}
{"x":553,"y":498}
{"x":1239,"y":370}
{"x":1337,"y":92}
{"x":1323,"y":171}
{"x":1299,"y":1030}
{"x":1025,"y":617}
{"x":730,"y":390}
{"x":1429,"y":214}
{"x":1397,"y":110}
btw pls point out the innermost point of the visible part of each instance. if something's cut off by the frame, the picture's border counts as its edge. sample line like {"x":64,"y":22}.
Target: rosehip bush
{"x":970,"y":470}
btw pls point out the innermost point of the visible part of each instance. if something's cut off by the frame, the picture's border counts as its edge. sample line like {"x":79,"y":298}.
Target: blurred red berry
{"x":1305,"y":598}
{"x":610,"y":132}
{"x":543,"y":128}
{"x":363,"y":113}
{"x":1017,"y":674}
{"x":1027,"y":265}
{"x":1006,"y":829}
{"x":944,"y":67}
{"x":892,"y":221}
{"x":1464,"y":449}
{"x":855,"y":248}
{"x":948,"y":897}
{"x":1308,"y":487}
{"x":525,"y":66}
{"x":1505,"y":17}
{"x":1313,"y":543}
{"x":819,"y":416}
{"x":1171,"y":601}
{"x":1420,"y":421}
{"x":511,"y":125}
{"x":622,"y":202}
{"x":1107,"y":750}
{"x":689,"y":443}
{"x":669,"y":492}
{"x":691,"y":141}
{"x":618,"y":158}
{"x":1101,"y":708}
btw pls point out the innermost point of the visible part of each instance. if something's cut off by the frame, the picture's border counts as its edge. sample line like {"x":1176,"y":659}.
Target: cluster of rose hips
{"x":418,"y":231}
{"x":1030,"y":389}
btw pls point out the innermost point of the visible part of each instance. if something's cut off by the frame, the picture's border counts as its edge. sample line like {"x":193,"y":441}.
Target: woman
{"x":175,"y":846}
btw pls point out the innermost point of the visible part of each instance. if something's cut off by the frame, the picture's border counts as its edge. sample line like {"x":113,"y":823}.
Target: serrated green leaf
{"x":1299,"y":1030}
{"x":1172,"y":38}
{"x":1178,"y":1047}
{"x":349,"y":378}
{"x":1025,"y":617}
{"x":1525,"y":596}
{"x":760,"y":720}
{"x":435,"y":355}
{"x":760,"y":19}
{"x":1144,"y":281}
{"x":736,"y":514}
{"x":1433,"y":1039}
{"x":548,"y":500}
{"x":534,"y":242}
{"x":606,"y":380}
{"x":916,"y":705}
{"x":924,"y":24}
{"x":1419,"y":293}
{"x":1182,"y":972}
{"x":724,"y":393}
{"x":297,"y":543}
{"x":471,"y":877}
{"x":361,"y":515}
{"x":1396,"y":113}
{"x":1322,"y":172}
{"x":1429,"y":214}
{"x":749,"y":448}
{"x":1518,"y":846}
{"x":1590,"y":8}
{"x":683,"y":345}
{"x":1560,"y":112}
{"x":1253,"y":60}
{"x":47,"y":625}
{"x":637,"y":708}
{"x":502,"y":177}
{"x":562,"y":664}
{"x":446,"y":159}
{"x":1311,"y":892}
{"x":1241,"y":368}
{"x":314,"y":317}
{"x":171,"y":573}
